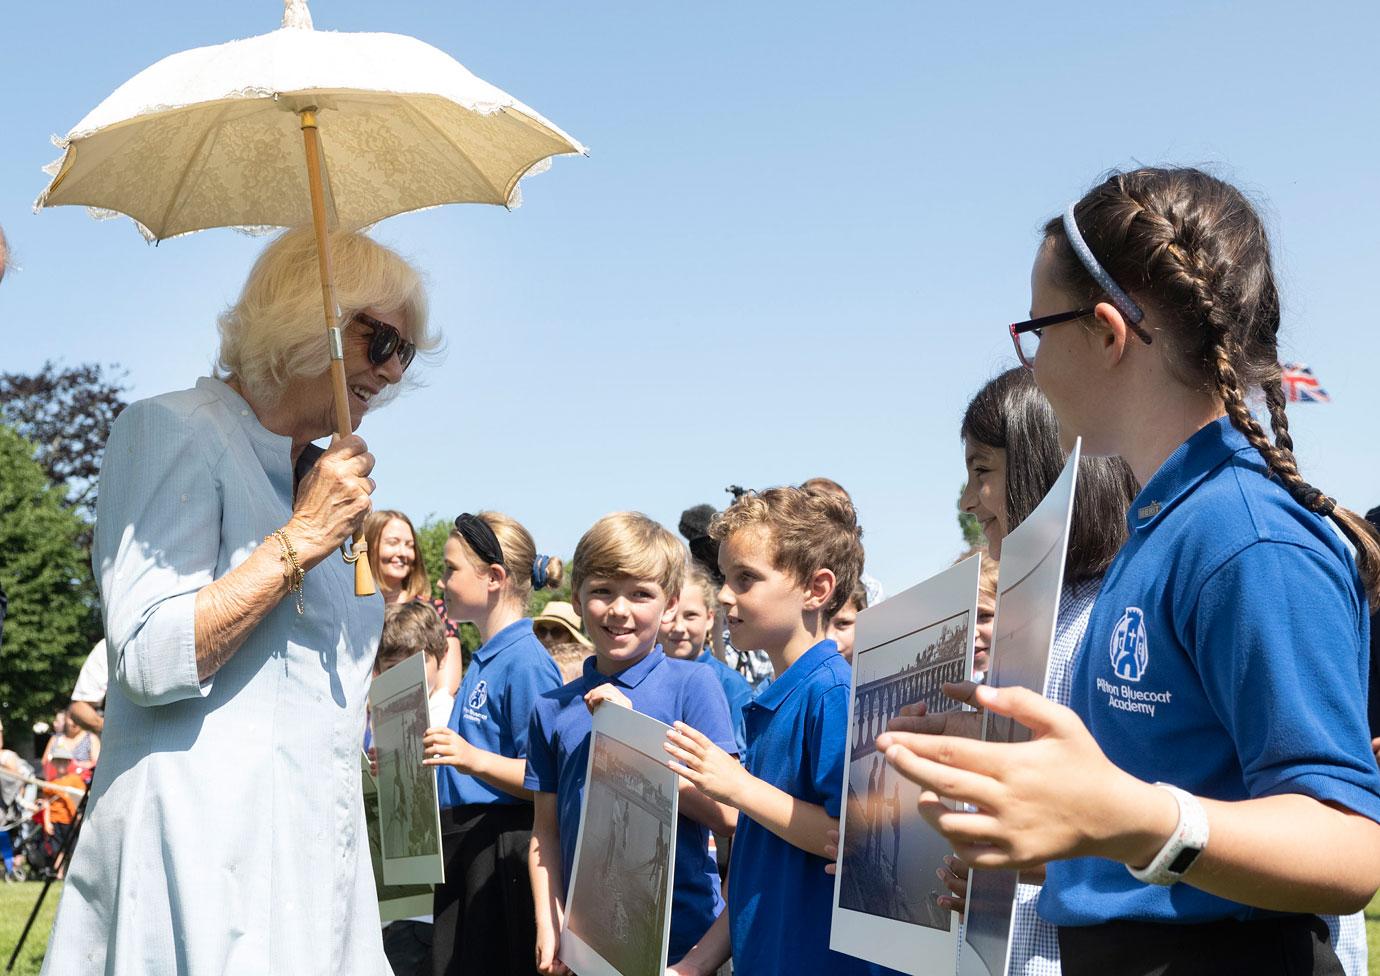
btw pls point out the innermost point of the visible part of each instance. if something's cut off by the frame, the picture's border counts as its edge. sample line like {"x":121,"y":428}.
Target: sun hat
{"x":563,"y":614}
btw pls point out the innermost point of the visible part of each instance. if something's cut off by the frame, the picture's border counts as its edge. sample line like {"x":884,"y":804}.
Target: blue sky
{"x":793,"y":249}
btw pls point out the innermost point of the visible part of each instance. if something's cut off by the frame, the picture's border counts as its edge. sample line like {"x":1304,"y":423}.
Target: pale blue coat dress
{"x":225,"y":831}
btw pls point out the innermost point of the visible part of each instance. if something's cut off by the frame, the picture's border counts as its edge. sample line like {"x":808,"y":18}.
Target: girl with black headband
{"x":484,"y":914}
{"x":1211,"y":786}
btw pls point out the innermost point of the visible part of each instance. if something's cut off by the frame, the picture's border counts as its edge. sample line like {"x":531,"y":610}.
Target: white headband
{"x":1119,"y":298}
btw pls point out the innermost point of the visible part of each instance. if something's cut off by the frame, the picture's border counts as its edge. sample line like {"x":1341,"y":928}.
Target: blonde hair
{"x":697,"y":577}
{"x":274,"y":333}
{"x":629,"y":545}
{"x":987,"y":574}
{"x":807,"y":530}
{"x":418,"y":582}
{"x":519,"y":555}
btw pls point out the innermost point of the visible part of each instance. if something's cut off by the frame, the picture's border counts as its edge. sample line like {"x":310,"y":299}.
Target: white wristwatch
{"x":1183,"y":846}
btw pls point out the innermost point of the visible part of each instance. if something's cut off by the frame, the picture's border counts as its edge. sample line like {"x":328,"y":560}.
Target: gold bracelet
{"x":295,"y":576}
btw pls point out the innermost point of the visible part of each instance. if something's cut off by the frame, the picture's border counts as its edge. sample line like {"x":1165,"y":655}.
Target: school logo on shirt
{"x":1130,"y":648}
{"x":479,"y":696}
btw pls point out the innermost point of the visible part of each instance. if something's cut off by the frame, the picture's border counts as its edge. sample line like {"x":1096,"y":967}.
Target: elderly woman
{"x":225,"y":831}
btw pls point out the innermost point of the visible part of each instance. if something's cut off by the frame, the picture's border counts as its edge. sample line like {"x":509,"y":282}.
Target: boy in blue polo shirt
{"x":790,"y":559}
{"x":626,"y":576}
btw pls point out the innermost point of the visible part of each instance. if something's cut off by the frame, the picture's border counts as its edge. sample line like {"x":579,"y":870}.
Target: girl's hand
{"x":1053,"y":797}
{"x":915,"y":717}
{"x":714,"y":772}
{"x":548,"y":962}
{"x":445,"y":747}
{"x":954,"y":875}
{"x":606,"y":693}
{"x":1375,"y":748}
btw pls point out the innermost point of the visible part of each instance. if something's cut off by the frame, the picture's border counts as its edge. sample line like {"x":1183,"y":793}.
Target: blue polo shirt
{"x":780,"y":900}
{"x":493,"y":709}
{"x":558,"y":758}
{"x":1227,"y":654}
{"x":736,"y":690}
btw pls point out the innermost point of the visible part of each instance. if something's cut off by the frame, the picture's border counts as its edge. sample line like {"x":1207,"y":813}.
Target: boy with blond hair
{"x":625,"y":577}
{"x":790,"y":558}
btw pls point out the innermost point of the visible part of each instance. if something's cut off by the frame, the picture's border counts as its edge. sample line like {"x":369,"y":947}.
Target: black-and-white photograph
{"x":888,"y":869}
{"x":409,"y":815}
{"x":620,"y":895}
{"x":885,"y":891}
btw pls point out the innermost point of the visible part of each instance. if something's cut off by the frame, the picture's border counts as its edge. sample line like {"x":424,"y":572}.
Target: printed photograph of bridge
{"x":890,"y":856}
{"x":620,"y":897}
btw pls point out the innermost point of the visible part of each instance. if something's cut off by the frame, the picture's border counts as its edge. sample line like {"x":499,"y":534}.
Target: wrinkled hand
{"x":915,"y":717}
{"x":1055,"y":796}
{"x":954,"y":876}
{"x":548,"y":958}
{"x":444,"y":747}
{"x":606,"y":693}
{"x":714,"y":772}
{"x":332,"y":500}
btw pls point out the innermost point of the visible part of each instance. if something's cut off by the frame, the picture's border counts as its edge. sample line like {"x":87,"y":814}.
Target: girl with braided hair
{"x":1211,"y":786}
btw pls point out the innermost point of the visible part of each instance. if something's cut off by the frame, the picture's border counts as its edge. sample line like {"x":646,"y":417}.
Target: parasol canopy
{"x":211,"y":137}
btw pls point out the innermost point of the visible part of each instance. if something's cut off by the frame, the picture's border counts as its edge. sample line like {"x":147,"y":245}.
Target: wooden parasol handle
{"x":364,"y":579}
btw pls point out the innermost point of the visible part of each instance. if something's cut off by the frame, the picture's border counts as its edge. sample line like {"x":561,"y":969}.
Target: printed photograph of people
{"x":619,"y":900}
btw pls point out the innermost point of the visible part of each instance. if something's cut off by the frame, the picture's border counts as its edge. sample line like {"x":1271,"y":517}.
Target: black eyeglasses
{"x":1025,"y":336}
{"x":385,"y":341}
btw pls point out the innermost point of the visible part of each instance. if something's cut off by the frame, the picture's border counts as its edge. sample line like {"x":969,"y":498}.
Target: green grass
{"x":16,"y":901}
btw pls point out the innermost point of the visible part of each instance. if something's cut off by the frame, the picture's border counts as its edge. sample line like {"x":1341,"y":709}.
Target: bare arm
{"x":445,"y":747}
{"x":708,"y":954}
{"x":718,"y":817}
{"x":332,"y":501}
{"x":548,"y":881}
{"x":721,"y":777}
{"x":85,"y":715}
{"x":1059,"y":796}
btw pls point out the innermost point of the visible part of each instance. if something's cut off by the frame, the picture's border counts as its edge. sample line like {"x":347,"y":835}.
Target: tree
{"x":968,"y":525}
{"x":53,"y":610}
{"x":66,"y":414}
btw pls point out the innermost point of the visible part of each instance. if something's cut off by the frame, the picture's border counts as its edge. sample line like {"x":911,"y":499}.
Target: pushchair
{"x":21,"y":836}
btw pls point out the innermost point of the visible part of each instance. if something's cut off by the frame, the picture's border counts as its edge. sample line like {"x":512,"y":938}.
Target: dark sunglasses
{"x":480,"y":537}
{"x":385,"y":341}
{"x":1026,"y":335}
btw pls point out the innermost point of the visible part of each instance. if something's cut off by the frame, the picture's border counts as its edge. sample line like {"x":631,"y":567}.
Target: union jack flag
{"x":1301,"y":386}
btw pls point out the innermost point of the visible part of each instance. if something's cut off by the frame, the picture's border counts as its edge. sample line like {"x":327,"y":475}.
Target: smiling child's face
{"x":623,"y":618}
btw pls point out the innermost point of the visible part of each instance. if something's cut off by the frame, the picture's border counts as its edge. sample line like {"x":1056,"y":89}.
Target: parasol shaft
{"x":364,"y":579}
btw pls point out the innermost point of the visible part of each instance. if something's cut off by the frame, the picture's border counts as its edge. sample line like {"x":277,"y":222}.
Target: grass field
{"x":16,"y":901}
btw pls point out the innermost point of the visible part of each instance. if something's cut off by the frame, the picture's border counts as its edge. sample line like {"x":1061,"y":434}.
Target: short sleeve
{"x":94,"y":677}
{"x":705,"y":708}
{"x":157,"y":543}
{"x":1277,"y":640}
{"x":541,"y":776}
{"x":827,"y":740}
{"x":532,"y":678}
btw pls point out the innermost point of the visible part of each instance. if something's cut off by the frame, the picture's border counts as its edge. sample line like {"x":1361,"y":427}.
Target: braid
{"x":1275,"y":400}
{"x":1194,"y":248}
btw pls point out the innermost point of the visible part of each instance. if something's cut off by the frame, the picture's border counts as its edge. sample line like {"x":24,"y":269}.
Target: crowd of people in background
{"x":740,"y":635}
